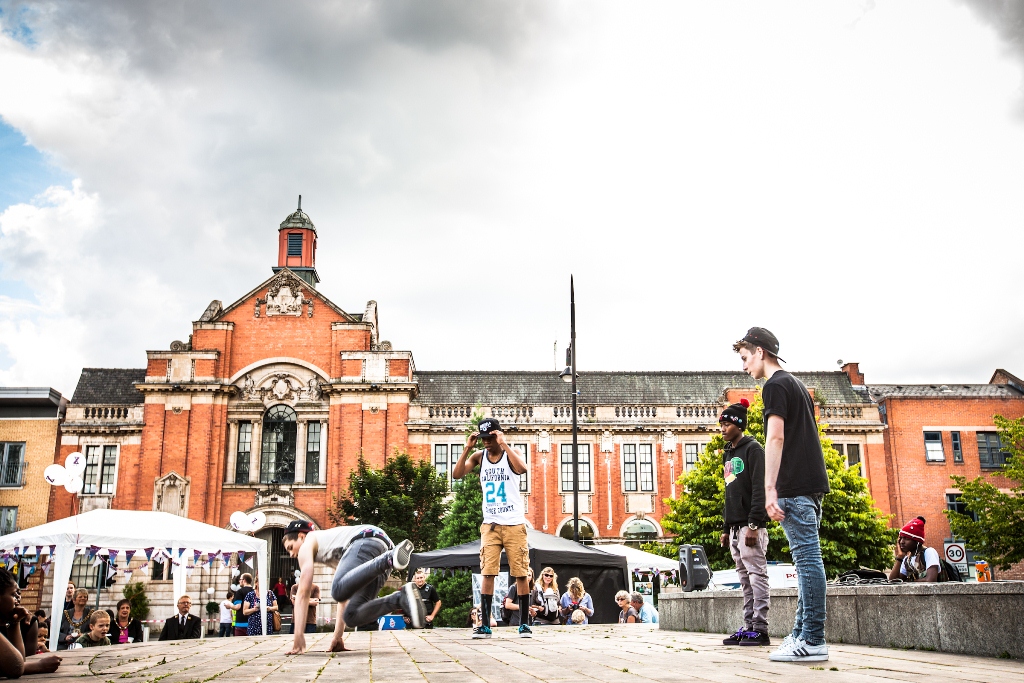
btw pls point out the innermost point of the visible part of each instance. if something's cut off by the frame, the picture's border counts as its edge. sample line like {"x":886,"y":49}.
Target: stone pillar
{"x":255,"y":452}
{"x":229,"y":475}
{"x":300,"y":452}
{"x":324,"y":431}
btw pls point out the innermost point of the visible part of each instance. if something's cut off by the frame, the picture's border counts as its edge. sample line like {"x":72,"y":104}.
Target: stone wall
{"x":965,"y":618}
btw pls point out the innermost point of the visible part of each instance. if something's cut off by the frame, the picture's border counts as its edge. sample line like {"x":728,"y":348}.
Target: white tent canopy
{"x":639,"y":560}
{"x":132,"y":530}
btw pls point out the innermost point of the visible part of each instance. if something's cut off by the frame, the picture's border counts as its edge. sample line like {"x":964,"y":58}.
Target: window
{"x":640,"y":530}
{"x":83,"y":574}
{"x":583,"y":459}
{"x":853,"y":455}
{"x":524,"y":479}
{"x":839,"y":448}
{"x":100,"y":468}
{"x":637,"y":464}
{"x":691,"y":452}
{"x":933,"y":447}
{"x":441,"y":460}
{"x":313,"y":453}
{"x":12,"y":464}
{"x":8,"y":520}
{"x":159,"y":572}
{"x":244,"y":453}
{"x":586,"y":531}
{"x":990,"y":450}
{"x":277,"y":453}
{"x":955,"y":504}
{"x":958,"y":452}
{"x":295,"y":244}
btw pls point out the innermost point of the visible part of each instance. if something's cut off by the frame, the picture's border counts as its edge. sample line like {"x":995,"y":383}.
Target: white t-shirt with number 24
{"x":502,"y":502}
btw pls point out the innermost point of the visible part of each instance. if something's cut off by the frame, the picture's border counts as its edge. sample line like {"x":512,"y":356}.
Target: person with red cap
{"x":915,"y":561}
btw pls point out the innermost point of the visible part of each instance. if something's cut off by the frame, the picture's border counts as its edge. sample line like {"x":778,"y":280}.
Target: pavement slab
{"x":607,"y":654}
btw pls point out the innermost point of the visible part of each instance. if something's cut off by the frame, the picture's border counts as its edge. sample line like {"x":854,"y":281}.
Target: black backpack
{"x":949,"y":572}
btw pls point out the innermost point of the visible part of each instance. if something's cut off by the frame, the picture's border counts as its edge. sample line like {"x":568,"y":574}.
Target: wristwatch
{"x":753,"y":526}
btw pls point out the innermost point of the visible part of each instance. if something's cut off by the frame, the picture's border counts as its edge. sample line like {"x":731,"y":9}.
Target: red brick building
{"x":935,"y":431}
{"x":273,"y":398}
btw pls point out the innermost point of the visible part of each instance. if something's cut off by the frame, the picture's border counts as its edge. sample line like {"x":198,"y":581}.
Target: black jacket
{"x":744,"y":495}
{"x":173,"y":631}
{"x":134,"y":630}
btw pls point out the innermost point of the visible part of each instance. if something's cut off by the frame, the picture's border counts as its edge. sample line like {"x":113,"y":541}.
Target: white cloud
{"x":843,"y":173}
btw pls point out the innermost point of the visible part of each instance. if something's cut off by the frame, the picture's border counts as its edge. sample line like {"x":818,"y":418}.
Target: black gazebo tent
{"x":603,"y":574}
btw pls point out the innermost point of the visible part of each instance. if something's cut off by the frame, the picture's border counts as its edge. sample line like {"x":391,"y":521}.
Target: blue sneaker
{"x":482,"y":632}
{"x":525,"y":632}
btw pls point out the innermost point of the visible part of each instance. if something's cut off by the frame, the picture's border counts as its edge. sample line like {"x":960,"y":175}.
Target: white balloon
{"x":56,"y":475}
{"x":257,"y":520}
{"x":240,"y":521}
{"x":75,"y":485}
{"x":75,"y":463}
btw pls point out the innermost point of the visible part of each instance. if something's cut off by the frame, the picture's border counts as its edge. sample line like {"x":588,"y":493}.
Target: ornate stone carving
{"x":259,"y":302}
{"x":312,"y":391}
{"x":181,"y":346}
{"x":285,"y":297}
{"x":171,"y":494}
{"x":309,"y":306}
{"x":282,"y":388}
{"x":384,"y":346}
{"x":249,"y":390}
{"x":544,"y":442}
{"x":607,"y":442}
{"x":211,"y":312}
{"x":668,"y":442}
{"x":274,"y":494}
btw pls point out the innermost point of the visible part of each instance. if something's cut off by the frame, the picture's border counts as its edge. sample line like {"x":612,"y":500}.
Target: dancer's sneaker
{"x":735,"y":638}
{"x":756,"y":638}
{"x":482,"y":632}
{"x":525,"y":632}
{"x":401,"y":555}
{"x":797,"y":650}
{"x":412,"y":605}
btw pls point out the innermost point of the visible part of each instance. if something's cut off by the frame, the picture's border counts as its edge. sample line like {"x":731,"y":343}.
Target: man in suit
{"x":182,"y":625}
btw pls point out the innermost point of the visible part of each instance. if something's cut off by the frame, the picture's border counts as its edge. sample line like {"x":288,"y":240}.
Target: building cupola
{"x":296,"y":249}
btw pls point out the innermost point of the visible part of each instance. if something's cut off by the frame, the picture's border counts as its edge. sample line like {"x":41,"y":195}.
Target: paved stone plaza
{"x":627,"y":654}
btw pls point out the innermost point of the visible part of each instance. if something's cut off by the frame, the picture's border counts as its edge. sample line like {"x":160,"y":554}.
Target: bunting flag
{"x":144,"y":567}
{"x":241,"y":556}
{"x":128,"y":574}
{"x":248,"y":561}
{"x":210,"y":557}
{"x":39,"y":550}
{"x":149,"y":554}
{"x":128,"y":555}
{"x":112,"y":554}
{"x":170,"y":553}
{"x":188,"y":571}
{"x":52,"y":548}
{"x":196,"y":554}
{"x":97,"y":562}
{"x":92,"y":552}
{"x":46,"y":569}
{"x":110,"y":572}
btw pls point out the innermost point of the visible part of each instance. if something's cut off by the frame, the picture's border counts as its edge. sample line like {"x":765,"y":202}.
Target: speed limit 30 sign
{"x":955,"y":553}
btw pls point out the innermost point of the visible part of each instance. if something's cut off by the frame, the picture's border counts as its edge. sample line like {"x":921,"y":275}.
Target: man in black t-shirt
{"x":795,"y":481}
{"x":431,"y":600}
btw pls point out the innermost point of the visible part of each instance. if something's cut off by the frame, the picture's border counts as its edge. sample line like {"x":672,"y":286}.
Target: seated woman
{"x":627,"y":615}
{"x":75,"y":621}
{"x":576,"y":599}
{"x":16,"y":629}
{"x":547,"y":597}
{"x":124,"y":629}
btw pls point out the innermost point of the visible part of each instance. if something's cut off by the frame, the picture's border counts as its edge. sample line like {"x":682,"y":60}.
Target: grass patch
{"x":833,"y":668}
{"x":625,"y":670}
{"x":818,"y":668}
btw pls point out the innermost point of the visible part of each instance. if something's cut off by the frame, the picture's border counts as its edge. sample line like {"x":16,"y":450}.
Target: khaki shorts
{"x":513,"y":540}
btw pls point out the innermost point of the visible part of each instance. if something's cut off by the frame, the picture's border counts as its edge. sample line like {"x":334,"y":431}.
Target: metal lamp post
{"x":569,"y":376}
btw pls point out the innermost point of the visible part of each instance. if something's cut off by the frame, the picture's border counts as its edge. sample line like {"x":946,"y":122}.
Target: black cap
{"x":736,"y":414}
{"x":488,"y":426}
{"x":759,"y":336}
{"x":299,"y":526}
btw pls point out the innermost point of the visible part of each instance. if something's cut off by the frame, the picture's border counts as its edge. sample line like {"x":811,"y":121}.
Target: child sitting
{"x":44,"y":635}
{"x":578,"y":617}
{"x":99,"y":624}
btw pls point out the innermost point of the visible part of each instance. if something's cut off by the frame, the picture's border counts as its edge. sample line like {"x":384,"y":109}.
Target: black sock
{"x":524,"y":609}
{"x":485,"y":609}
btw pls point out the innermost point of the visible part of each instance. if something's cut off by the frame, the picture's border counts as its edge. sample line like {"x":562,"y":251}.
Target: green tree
{"x":405,"y":498}
{"x":997,"y":532}
{"x":462,"y":525}
{"x":853,"y":532}
{"x":135,"y":592}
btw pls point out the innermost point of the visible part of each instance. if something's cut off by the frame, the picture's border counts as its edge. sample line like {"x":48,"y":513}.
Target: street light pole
{"x":575,"y":448}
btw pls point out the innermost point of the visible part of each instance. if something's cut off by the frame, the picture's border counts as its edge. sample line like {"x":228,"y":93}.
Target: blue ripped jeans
{"x":803,"y":517}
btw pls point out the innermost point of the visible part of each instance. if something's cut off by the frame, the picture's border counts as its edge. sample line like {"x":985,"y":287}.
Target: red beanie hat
{"x":914,"y":529}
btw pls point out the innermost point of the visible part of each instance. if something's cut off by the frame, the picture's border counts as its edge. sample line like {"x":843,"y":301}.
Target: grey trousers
{"x":360,"y":575}
{"x":752,"y":569}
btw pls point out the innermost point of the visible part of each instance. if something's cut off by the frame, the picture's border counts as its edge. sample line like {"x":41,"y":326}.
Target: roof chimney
{"x":853,"y":372}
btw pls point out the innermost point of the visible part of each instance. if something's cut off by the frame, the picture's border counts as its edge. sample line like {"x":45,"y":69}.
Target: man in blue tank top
{"x":504,"y":524}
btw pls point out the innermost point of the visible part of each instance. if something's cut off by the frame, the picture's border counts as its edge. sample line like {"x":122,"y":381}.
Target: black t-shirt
{"x":802,"y":472}
{"x":240,"y":595}
{"x":430,"y":597}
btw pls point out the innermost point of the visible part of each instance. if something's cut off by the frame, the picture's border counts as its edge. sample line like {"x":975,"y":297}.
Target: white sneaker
{"x":797,"y":650}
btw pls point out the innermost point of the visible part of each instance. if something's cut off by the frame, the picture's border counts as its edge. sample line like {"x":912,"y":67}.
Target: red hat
{"x":914,"y":529}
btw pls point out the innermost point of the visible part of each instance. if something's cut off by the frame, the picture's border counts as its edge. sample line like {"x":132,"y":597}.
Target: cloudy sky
{"x":847,"y":174}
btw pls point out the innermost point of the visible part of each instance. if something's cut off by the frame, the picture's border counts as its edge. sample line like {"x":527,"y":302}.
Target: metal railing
{"x":12,"y":474}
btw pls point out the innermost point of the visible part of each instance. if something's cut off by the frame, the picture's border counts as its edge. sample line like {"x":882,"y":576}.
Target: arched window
{"x":640,"y":531}
{"x":277,"y":456}
{"x":586,"y":531}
